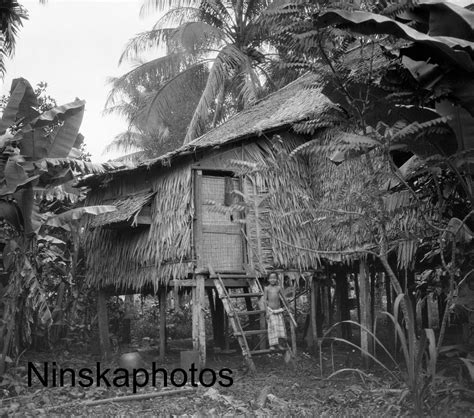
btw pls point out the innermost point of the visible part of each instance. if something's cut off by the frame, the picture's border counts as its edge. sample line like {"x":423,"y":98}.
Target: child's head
{"x":273,"y":278}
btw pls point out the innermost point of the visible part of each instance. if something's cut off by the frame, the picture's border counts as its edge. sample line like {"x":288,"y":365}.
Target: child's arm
{"x":265,"y":298}
{"x":280,"y":291}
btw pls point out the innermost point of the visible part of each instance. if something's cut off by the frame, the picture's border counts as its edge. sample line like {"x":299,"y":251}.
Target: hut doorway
{"x":220,"y":234}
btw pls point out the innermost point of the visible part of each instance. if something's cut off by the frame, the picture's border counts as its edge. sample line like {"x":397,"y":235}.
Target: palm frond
{"x":251,"y":88}
{"x":195,"y":37}
{"x":145,"y":41}
{"x":12,"y":16}
{"x":216,"y":13}
{"x":159,"y":102}
{"x":124,"y":141}
{"x":159,"y":69}
{"x":229,"y":59}
{"x":151,"y":6}
{"x":173,"y":18}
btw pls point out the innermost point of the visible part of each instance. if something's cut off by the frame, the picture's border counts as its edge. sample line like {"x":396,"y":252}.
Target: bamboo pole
{"x":162,"y":295}
{"x":138,"y":397}
{"x":103,"y":321}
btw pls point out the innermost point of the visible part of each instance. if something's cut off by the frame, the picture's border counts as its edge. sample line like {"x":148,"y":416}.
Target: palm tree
{"x":146,"y":137}
{"x":12,"y":15}
{"x":217,"y":48}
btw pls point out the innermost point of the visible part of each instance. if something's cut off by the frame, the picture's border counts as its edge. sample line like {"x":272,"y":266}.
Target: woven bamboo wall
{"x":222,"y":239}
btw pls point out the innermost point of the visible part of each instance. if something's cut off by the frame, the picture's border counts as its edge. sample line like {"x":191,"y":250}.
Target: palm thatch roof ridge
{"x":298,"y":101}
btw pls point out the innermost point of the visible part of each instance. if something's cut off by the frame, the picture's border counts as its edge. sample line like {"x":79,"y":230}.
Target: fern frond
{"x":415,"y":128}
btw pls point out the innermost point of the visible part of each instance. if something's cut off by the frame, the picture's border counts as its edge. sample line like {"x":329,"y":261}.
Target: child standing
{"x":275,"y":320}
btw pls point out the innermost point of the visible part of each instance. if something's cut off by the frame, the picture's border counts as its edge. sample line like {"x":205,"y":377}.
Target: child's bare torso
{"x":273,"y":297}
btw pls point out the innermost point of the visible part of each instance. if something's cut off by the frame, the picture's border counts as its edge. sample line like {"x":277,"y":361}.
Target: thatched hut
{"x":222,"y":200}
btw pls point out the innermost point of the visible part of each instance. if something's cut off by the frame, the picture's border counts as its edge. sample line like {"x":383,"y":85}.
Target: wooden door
{"x":219,"y":234}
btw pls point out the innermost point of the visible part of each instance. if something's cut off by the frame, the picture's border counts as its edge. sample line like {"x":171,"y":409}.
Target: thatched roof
{"x":128,"y":207}
{"x":299,"y":101}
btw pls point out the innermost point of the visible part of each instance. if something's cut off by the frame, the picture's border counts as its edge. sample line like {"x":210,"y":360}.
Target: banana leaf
{"x":66,"y":136}
{"x":441,"y":49}
{"x":445,"y":19}
{"x":58,"y":113}
{"x":10,"y":212}
{"x":20,"y":105}
{"x":15,"y":176}
{"x":34,"y":143}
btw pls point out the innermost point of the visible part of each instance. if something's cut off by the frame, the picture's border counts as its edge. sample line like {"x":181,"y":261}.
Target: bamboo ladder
{"x":234,"y":315}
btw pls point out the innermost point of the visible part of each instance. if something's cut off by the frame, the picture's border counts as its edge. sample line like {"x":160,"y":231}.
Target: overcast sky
{"x":74,"y":45}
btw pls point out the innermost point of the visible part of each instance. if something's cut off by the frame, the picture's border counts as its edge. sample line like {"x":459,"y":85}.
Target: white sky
{"x":74,"y":45}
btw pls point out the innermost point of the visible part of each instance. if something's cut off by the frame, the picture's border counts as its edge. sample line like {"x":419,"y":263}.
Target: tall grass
{"x":417,"y":367}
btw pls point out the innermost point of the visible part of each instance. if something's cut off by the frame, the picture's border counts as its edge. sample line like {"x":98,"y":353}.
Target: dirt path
{"x":296,"y":389}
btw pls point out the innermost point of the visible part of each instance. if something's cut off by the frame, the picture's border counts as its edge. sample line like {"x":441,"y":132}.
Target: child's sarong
{"x":276,"y":325}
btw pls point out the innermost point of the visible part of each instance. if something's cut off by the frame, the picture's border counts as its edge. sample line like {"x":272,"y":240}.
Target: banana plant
{"x":438,"y":52}
{"x":38,"y":151}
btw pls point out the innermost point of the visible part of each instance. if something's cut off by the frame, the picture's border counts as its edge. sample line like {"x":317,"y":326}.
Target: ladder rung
{"x":266,"y":351}
{"x":259,"y":311}
{"x":253,"y":332}
{"x":234,"y":276}
{"x":260,"y":352}
{"x":245,"y":295}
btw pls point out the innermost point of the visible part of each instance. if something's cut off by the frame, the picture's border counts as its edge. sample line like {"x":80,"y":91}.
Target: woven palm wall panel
{"x":221,"y":233}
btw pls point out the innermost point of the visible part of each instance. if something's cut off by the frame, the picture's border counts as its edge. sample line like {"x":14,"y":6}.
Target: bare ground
{"x":295,"y":389}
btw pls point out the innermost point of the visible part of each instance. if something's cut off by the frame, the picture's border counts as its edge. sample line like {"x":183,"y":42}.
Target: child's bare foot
{"x":274,"y":347}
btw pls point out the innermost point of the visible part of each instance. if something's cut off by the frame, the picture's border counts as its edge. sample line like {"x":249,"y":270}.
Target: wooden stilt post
{"x":345,"y":309}
{"x":162,"y":295}
{"x":201,"y":331}
{"x":226,"y":333}
{"x":103,"y":320}
{"x":314,"y":306}
{"x":365,"y":310}
{"x":220,"y":321}
{"x":195,"y":319}
{"x":293,"y":338}
{"x":357,"y":293}
{"x":127,"y":320}
{"x":388,"y":293}
{"x":214,"y":318}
